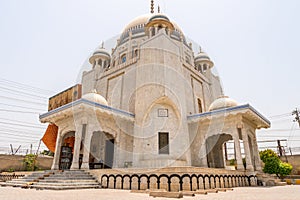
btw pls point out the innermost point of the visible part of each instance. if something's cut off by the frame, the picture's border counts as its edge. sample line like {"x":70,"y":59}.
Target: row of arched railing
{"x":8,"y":177}
{"x":190,"y":181}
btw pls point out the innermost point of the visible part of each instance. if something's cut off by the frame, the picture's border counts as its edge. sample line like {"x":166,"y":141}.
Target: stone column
{"x":238,"y":152}
{"x":55,"y":164}
{"x":256,"y":154}
{"x":203,"y":155}
{"x":78,"y":138}
{"x":249,"y":165}
{"x":87,"y":147}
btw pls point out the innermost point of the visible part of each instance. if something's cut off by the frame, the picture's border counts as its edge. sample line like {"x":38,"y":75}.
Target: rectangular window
{"x":163,"y":113}
{"x":163,"y":143}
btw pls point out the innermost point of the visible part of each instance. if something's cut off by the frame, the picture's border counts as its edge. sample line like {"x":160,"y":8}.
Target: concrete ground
{"x":285,"y":192}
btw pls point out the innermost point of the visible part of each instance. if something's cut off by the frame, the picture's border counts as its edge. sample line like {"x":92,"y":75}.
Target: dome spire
{"x":158,"y":9}
{"x":200,"y":49}
{"x":152,"y":6}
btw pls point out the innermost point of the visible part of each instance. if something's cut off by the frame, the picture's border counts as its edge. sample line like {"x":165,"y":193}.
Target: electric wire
{"x":23,"y":101}
{"x":16,"y":106}
{"x":21,"y":93}
{"x":21,"y":85}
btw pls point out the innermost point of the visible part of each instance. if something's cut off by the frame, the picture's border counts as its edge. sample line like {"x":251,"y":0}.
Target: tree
{"x":273,"y":164}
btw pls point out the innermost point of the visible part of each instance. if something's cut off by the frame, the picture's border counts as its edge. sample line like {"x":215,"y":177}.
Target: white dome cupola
{"x":95,"y":97}
{"x":100,"y":58}
{"x":222,"y":102}
{"x":203,"y":62}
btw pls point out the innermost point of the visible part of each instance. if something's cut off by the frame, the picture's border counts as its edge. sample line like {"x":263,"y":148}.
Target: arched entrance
{"x":215,"y":150}
{"x":67,"y":149}
{"x":101,"y":150}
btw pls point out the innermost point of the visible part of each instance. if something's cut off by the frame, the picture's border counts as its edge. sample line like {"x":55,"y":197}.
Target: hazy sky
{"x":254,"y":44}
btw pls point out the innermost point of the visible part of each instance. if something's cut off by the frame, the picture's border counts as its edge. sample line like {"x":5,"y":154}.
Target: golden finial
{"x":102,"y":45}
{"x":152,"y":6}
{"x":158,"y":9}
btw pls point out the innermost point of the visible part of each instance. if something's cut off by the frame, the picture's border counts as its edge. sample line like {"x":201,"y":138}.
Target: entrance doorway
{"x":109,"y":153}
{"x":101,"y":151}
{"x":66,"y":154}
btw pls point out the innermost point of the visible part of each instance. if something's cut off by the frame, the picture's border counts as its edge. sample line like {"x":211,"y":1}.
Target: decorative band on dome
{"x":101,"y":52}
{"x":159,"y":17}
{"x":202,"y":57}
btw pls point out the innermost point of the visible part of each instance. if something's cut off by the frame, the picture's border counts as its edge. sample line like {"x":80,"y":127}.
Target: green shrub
{"x":29,"y":161}
{"x":232,"y":162}
{"x":285,"y":169}
{"x":264,"y":155}
{"x":11,"y":170}
{"x":273,"y":165}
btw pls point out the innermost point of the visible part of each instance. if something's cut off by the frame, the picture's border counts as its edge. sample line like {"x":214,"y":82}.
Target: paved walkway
{"x":286,"y":192}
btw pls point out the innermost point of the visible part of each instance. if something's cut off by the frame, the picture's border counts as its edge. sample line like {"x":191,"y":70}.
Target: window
{"x":199,"y":68}
{"x":99,"y":62}
{"x":187,"y":59}
{"x":200,"y":106}
{"x":163,"y":143}
{"x":123,"y":58}
{"x":204,"y":67}
{"x":163,"y":113}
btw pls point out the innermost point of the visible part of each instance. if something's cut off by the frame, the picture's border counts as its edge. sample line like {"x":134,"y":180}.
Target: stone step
{"x":66,"y":184}
{"x":65,"y":187}
{"x":71,"y":175}
{"x":68,"y":178}
{"x":66,"y":181}
{"x":56,"y":180}
{"x":22,"y":180}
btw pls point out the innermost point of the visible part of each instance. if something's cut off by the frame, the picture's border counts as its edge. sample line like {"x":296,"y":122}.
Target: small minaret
{"x":203,"y":62}
{"x":100,"y":58}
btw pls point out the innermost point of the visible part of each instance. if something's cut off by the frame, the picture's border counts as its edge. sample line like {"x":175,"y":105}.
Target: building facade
{"x":152,"y":102}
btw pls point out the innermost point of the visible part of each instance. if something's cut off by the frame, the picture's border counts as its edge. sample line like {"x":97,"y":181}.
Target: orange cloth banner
{"x":50,"y":136}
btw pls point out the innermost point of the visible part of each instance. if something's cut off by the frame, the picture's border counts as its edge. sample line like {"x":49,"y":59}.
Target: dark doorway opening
{"x":109,"y":153}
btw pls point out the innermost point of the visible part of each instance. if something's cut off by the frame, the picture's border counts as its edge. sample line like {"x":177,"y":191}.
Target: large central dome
{"x":142,"y":20}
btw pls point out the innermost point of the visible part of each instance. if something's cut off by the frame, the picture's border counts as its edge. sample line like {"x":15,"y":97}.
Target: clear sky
{"x":254,"y":44}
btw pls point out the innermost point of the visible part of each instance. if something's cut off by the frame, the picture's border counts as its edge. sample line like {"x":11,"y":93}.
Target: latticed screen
{"x":163,"y":143}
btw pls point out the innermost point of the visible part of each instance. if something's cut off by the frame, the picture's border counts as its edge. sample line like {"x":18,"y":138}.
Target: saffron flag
{"x":49,"y":138}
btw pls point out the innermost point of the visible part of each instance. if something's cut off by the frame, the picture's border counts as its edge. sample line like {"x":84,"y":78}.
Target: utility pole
{"x":279,"y":148}
{"x":297,"y":117}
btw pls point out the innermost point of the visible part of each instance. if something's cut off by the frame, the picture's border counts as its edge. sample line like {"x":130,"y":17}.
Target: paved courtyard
{"x":287,"y":192}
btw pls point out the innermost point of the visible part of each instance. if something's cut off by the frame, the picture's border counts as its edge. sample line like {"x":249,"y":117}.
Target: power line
{"x":21,"y":122}
{"x":16,"y":84}
{"x":19,"y":111}
{"x":20,"y":130}
{"x":281,"y":115}
{"x":21,"y":107}
{"x":24,"y":101}
{"x":19,"y":136}
{"x":20,"y":92}
{"x":15,"y":124}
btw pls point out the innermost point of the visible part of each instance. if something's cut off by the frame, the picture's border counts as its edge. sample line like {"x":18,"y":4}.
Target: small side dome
{"x":202,"y":56}
{"x":102,"y":53}
{"x":95,"y":97}
{"x":222,"y":102}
